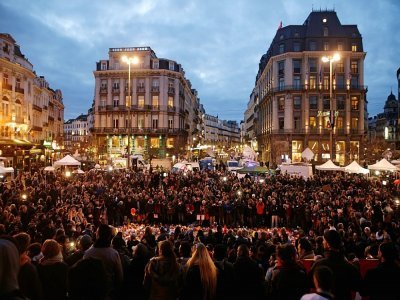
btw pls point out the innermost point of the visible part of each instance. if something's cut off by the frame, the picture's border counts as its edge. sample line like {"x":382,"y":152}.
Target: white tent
{"x":78,"y":171}
{"x":383,"y":165}
{"x":4,"y":170}
{"x":354,"y":167}
{"x":307,"y":154}
{"x":49,"y":169}
{"x":329,"y":166}
{"x":67,"y":161}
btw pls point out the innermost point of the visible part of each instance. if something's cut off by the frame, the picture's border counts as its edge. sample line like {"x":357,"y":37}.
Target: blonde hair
{"x":208,"y":271}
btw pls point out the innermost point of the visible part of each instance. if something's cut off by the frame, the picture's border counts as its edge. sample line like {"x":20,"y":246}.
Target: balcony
{"x":19,"y":90}
{"x":140,"y":89}
{"x":171,"y":90}
{"x":103,"y":90}
{"x":137,"y":130}
{"x":45,"y":107}
{"x":101,"y":108}
{"x":115,"y":90}
{"x":37,"y":107}
{"x":50,"y":118}
{"x":155,"y":107}
{"x":171,"y":108}
{"x":7,"y":87}
{"x":155,"y":89}
{"x":45,"y":124}
{"x":37,"y":128}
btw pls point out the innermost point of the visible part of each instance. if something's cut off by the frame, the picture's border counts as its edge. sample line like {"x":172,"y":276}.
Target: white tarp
{"x":67,"y":161}
{"x":383,"y":165}
{"x":354,"y":167}
{"x":329,"y":166}
{"x":6,"y":170}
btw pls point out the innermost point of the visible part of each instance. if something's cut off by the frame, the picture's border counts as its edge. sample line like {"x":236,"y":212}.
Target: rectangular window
{"x":155,"y":83}
{"x":155,"y":64}
{"x":340,"y":82}
{"x":297,"y":102}
{"x":281,"y":68}
{"x":326,"y":103}
{"x":354,"y":81}
{"x":296,"y":47}
{"x":313,"y":122}
{"x":340,"y":102}
{"x":339,"y":123}
{"x":297,"y":81}
{"x":170,"y":123}
{"x":281,"y":83}
{"x":312,"y":63}
{"x":154,"y":123}
{"x":354,"y":123}
{"x":313,"y":82}
{"x":354,"y":102}
{"x":354,"y":47}
{"x":339,"y":67}
{"x":313,"y":46}
{"x":170,"y":101}
{"x":171,"y":65}
{"x":281,"y":122}
{"x":154,"y":142}
{"x":297,"y":66}
{"x":354,"y":66}
{"x":18,"y":83}
{"x":154,"y":100}
{"x":115,"y":123}
{"x":103,"y":66}
{"x":326,"y":46}
{"x":116,"y":102}
{"x":140,"y":101}
{"x":141,"y":122}
{"x":340,"y":46}
{"x":281,"y":48}
{"x":313,"y":102}
{"x":297,"y":123}
{"x":281,"y":103}
{"x":170,"y":143}
{"x":326,"y":82}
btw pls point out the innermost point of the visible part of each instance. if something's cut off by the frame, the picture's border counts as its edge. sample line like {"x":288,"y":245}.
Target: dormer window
{"x":281,"y":48}
{"x":325,"y":31}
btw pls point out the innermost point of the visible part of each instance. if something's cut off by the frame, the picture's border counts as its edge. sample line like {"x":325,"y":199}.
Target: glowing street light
{"x":24,"y":197}
{"x":331,"y":60}
{"x":128,"y":103}
{"x":68,"y":174}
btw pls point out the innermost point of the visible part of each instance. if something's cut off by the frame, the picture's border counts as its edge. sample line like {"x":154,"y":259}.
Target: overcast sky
{"x":218,"y":42}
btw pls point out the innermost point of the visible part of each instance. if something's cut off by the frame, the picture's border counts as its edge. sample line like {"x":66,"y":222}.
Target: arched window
{"x":326,"y":32}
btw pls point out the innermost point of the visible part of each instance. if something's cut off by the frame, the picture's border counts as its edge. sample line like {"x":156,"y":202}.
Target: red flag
{"x":280,"y":26}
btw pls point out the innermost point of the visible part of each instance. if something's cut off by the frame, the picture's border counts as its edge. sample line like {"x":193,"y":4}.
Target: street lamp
{"x":129,"y":60}
{"x":331,"y":60}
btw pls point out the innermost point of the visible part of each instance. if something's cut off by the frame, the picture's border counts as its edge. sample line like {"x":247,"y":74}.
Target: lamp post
{"x":331,"y":59}
{"x":128,"y":103}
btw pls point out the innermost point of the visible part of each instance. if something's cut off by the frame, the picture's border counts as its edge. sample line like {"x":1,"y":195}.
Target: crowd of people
{"x":197,"y":235}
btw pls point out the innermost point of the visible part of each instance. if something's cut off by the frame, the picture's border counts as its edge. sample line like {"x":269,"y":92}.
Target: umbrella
{"x":49,"y":169}
{"x":97,"y":166}
{"x":397,"y":181}
{"x":79,"y":171}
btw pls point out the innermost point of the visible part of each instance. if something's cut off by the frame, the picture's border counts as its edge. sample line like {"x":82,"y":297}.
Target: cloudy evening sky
{"x":218,"y":42}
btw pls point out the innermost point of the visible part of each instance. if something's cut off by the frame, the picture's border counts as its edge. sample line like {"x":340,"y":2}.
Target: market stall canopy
{"x":307,"y":154}
{"x":253,"y":170}
{"x":4,"y":170}
{"x":329,"y":166}
{"x":67,"y":161}
{"x":354,"y":167}
{"x":97,"y":166}
{"x":78,"y":171}
{"x":49,"y":169}
{"x":383,"y":165}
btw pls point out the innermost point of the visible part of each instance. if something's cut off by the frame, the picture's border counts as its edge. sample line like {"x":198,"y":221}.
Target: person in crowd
{"x":201,"y":276}
{"x":248,"y":276}
{"x":134,"y":276}
{"x":87,"y":280}
{"x":225,"y":274}
{"x":83,"y":243}
{"x":289,"y":279}
{"x":110,"y":258}
{"x":163,"y":275}
{"x":185,"y":252}
{"x":305,"y":250}
{"x":28,"y":277}
{"x":347,"y":278}
{"x":323,"y":281}
{"x":382,"y":282}
{"x":9,"y":268}
{"x":53,"y":271}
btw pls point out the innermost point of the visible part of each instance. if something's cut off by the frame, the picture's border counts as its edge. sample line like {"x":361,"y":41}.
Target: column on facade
{"x":306,"y":112}
{"x":275,"y":121}
{"x":109,"y":90}
{"x":288,"y":122}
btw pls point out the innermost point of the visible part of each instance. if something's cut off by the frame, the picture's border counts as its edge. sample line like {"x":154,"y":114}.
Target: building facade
{"x":77,"y":134}
{"x":292,"y":92}
{"x":220,"y":133}
{"x":31,"y":113}
{"x":155,"y":114}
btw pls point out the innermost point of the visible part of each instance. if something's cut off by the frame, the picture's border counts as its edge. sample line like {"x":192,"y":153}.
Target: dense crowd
{"x":197,"y":235}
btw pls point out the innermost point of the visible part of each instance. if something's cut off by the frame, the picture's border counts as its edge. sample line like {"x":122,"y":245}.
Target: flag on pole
{"x":280,"y":26}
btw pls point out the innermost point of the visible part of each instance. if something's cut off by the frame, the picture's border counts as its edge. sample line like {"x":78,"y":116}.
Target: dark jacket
{"x":161,"y":280}
{"x":382,"y":282}
{"x":54,"y":280}
{"x":225,"y":280}
{"x":29,"y":282}
{"x":133,"y":281}
{"x":192,"y":287}
{"x":288,"y":282}
{"x":248,"y":279}
{"x":346,"y":277}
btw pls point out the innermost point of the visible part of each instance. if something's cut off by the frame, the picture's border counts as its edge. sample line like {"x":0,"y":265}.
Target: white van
{"x":232,"y":165}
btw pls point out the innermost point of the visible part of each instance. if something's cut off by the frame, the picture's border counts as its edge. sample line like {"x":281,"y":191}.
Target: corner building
{"x":292,"y":93}
{"x":162,"y":116}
